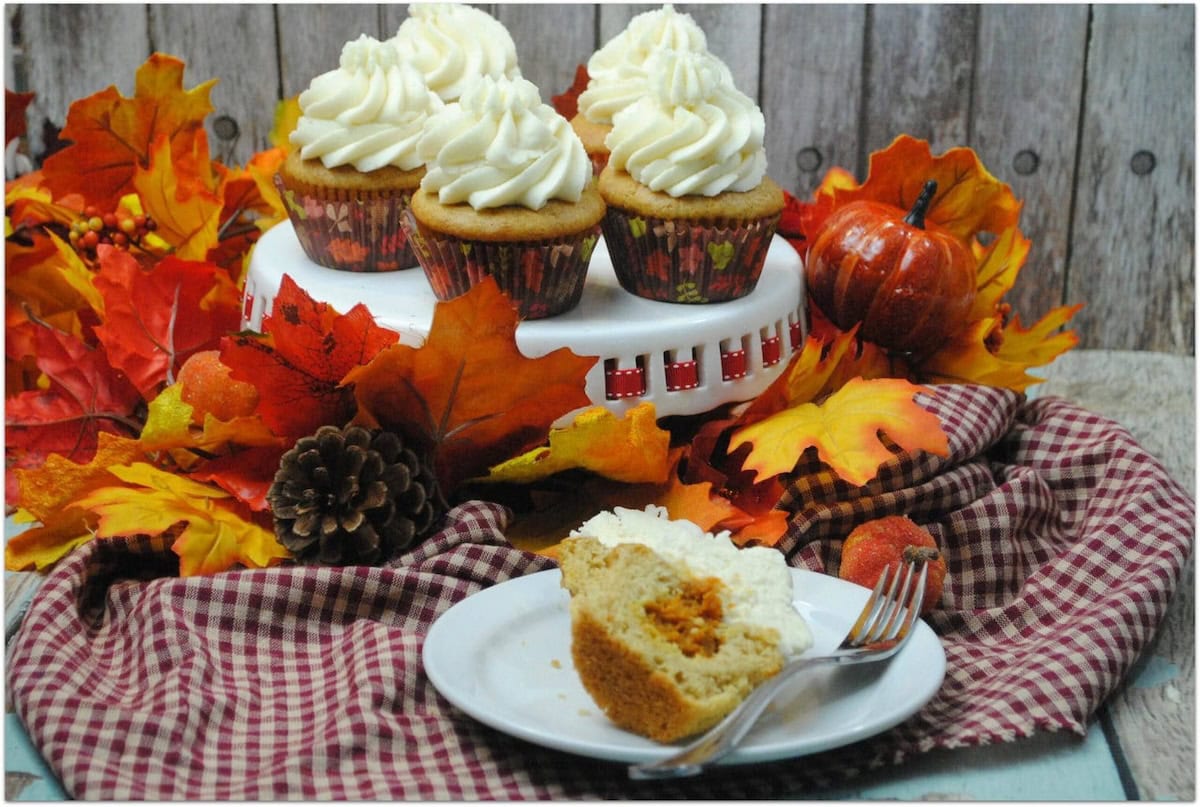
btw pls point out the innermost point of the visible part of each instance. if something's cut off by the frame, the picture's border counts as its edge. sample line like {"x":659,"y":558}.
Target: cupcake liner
{"x":352,"y":231}
{"x":687,"y":261}
{"x":542,"y":278}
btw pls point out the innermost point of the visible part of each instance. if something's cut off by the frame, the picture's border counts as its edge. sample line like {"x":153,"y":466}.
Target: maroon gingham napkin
{"x":1064,"y":542}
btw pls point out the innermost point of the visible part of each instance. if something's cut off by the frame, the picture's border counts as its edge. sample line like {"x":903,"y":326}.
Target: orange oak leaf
{"x":468,"y":395}
{"x":628,"y":449}
{"x":46,"y":493}
{"x":845,"y":430}
{"x":181,"y":191}
{"x":112,"y":136}
{"x":217,"y":533}
{"x":155,"y":318}
{"x":298,"y":365}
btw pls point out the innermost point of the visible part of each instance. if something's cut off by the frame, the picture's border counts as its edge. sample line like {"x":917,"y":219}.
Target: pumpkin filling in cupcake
{"x":688,"y":619}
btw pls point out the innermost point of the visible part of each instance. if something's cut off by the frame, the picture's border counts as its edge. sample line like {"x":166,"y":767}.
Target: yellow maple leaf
{"x":845,"y":430}
{"x":214,"y":536}
{"x":999,"y":265}
{"x":628,"y":449}
{"x":47,"y":494}
{"x":170,"y":425}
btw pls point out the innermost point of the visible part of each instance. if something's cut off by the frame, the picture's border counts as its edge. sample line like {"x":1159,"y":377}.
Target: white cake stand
{"x":685,"y":359}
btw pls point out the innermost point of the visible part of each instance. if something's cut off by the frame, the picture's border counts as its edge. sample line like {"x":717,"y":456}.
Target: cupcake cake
{"x":453,"y":44}
{"x":508,"y":193}
{"x":348,"y":182}
{"x":617,"y":72}
{"x":691,"y":211}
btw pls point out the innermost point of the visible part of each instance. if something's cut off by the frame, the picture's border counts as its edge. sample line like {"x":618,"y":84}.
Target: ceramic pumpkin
{"x":910,"y":282}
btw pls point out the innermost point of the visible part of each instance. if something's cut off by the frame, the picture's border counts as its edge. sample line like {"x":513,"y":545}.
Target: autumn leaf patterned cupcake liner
{"x":687,"y":261}
{"x":353,"y":231}
{"x":542,"y":278}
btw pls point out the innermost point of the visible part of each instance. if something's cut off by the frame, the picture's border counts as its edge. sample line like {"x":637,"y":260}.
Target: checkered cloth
{"x":1064,"y":540}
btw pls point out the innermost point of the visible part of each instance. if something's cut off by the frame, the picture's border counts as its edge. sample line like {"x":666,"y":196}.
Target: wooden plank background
{"x":1087,"y":111}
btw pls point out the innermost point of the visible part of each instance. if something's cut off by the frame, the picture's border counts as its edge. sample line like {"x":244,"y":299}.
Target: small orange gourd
{"x":886,"y":543}
{"x":910,"y":282}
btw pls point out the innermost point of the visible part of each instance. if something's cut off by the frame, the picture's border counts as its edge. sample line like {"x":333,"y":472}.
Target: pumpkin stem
{"x":913,"y":553}
{"x":916,"y":216}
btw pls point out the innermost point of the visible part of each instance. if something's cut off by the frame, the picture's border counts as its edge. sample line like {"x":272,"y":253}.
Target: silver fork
{"x":880,"y":630}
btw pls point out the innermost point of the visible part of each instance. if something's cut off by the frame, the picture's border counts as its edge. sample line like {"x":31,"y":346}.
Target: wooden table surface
{"x":1141,"y":745}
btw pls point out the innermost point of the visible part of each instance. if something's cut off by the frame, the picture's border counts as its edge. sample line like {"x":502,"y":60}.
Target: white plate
{"x":503,"y":656}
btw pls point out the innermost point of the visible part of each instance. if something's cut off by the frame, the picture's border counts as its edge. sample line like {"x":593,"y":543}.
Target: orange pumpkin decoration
{"x":887,"y":542}
{"x":910,"y":283}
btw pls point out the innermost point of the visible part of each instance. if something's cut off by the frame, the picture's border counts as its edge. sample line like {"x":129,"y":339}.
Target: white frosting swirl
{"x":452,"y":44}
{"x":499,"y":145}
{"x":617,"y":72}
{"x":368,"y":113}
{"x":647,"y":32}
{"x":693,"y":133}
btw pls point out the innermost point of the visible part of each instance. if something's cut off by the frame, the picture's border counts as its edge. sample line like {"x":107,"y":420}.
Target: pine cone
{"x":350,"y":496}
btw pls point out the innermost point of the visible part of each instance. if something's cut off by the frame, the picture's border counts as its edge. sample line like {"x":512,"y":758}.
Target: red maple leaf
{"x":567,"y":104}
{"x":300,"y":361}
{"x":15,"y":104}
{"x":84,"y":396}
{"x":155,"y":318}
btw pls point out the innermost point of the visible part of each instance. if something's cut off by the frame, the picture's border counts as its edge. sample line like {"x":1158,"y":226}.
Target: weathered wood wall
{"x":1087,"y":111}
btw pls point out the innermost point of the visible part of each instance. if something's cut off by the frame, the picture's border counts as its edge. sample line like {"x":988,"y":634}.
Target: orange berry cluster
{"x":94,"y":228}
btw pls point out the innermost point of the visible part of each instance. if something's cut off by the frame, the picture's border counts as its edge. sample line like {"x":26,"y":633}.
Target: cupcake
{"x":348,"y":183}
{"x":508,"y":193}
{"x":453,"y":44}
{"x":691,"y":212}
{"x":617,"y":72}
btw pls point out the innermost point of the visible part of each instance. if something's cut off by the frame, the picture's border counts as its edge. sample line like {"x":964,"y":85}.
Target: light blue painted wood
{"x":26,"y":775}
{"x":1045,"y":767}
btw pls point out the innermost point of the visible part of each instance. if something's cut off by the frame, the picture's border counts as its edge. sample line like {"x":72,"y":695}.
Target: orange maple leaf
{"x":183,"y":194}
{"x":112,"y":136}
{"x":968,"y":359}
{"x":468,"y":395}
{"x":845,"y":430}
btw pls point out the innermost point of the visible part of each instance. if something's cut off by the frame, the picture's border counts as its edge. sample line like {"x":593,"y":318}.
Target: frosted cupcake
{"x":508,"y":193}
{"x":617,"y":72}
{"x":348,"y":183}
{"x":691,"y":211}
{"x":453,"y":44}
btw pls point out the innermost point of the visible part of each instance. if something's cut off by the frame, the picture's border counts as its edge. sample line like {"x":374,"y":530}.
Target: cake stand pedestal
{"x":685,"y":359}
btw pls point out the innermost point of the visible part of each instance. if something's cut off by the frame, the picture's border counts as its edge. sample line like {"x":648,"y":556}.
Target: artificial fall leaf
{"x":15,"y":104}
{"x":287,"y":115}
{"x":969,"y":358}
{"x":246,"y":475}
{"x":155,"y":318}
{"x":999,"y":265}
{"x":567,"y":102}
{"x":45,"y":494}
{"x":299,"y":364}
{"x":112,"y":136}
{"x":28,"y":205}
{"x":214,"y":537}
{"x":83,"y":397}
{"x":845,"y":430}
{"x":46,"y":280}
{"x":468,"y":394}
{"x":183,"y":194}
{"x":628,"y":449}
{"x":969,"y":200}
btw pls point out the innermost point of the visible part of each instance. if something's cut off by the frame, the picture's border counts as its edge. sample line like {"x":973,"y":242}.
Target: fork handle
{"x":723,"y":738}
